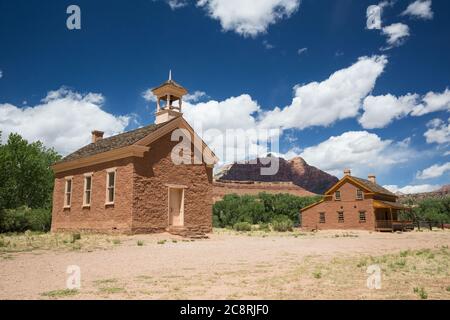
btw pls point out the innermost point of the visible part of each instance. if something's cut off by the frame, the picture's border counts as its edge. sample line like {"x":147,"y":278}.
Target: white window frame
{"x":66,"y":184}
{"x":336,"y":197}
{"x":362,"y":194}
{"x":108,"y":171}
{"x":85,"y":203}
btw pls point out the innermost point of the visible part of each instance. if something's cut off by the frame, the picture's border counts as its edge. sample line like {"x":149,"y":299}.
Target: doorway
{"x":176,"y":207}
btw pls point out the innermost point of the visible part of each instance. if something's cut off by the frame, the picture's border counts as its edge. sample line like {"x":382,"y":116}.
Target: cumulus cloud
{"x":434,"y":171}
{"x":248,"y":17}
{"x":433,"y":102}
{"x":396,"y":34}
{"x":336,"y":98}
{"x":379,"y":111}
{"x":412,"y":189}
{"x":420,"y":9}
{"x":229,"y":127}
{"x":374,"y":13}
{"x":361,"y":151}
{"x":438,"y":131}
{"x":63,"y":120}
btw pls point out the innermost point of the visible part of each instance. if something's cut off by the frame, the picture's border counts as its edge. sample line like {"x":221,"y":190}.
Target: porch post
{"x":390,"y":211}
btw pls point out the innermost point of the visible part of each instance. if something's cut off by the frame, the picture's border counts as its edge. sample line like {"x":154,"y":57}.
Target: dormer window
{"x":359,"y":194}
{"x":337,"y":195}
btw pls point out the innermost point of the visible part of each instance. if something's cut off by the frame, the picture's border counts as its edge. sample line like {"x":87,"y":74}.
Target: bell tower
{"x":166,"y":94}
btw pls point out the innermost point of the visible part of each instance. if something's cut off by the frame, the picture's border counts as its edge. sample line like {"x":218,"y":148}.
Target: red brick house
{"x":129,"y":183}
{"x":354,"y":203}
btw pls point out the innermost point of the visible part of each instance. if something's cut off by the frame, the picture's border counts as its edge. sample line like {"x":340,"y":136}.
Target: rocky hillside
{"x":296,"y":171}
{"x":414,"y":198}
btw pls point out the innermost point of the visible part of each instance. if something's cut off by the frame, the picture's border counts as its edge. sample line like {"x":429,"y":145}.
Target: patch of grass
{"x":60,"y":293}
{"x":317,"y":274}
{"x":116,"y":241}
{"x":111,"y":290}
{"x":405,"y":253}
{"x":420,"y":291}
{"x":75,"y":237}
{"x":174,"y":241}
{"x":162,"y":241}
{"x":447,"y":289}
{"x":105,"y":281}
{"x":140,"y":243}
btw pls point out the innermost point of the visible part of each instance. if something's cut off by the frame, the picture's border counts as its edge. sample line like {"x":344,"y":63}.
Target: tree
{"x":26,"y":178}
{"x":434,"y":210}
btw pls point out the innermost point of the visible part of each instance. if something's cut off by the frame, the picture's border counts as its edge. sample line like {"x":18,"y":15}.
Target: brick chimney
{"x":372,"y":178}
{"x":347,"y":172}
{"x":97,"y":135}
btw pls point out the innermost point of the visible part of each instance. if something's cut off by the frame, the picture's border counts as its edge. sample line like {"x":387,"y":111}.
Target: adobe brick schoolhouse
{"x":129,"y":183}
{"x":354,"y":203}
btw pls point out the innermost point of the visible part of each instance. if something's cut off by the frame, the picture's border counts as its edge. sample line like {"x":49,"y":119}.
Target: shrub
{"x":282,"y":224}
{"x":260,"y":209}
{"x":140,"y":243}
{"x":24,"y":218}
{"x":242,"y":226}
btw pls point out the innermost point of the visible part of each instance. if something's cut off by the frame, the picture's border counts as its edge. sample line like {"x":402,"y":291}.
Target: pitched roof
{"x":376,"y":188}
{"x":114,"y":142}
{"x":170,"y":82}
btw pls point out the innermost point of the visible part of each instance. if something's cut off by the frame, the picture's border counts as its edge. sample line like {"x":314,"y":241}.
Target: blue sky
{"x":350,"y":106}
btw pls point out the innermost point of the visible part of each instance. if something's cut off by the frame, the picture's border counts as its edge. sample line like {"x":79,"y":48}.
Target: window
{"x":341,"y":216}
{"x":110,"y":185}
{"x":337,"y":195}
{"x":87,"y":190}
{"x":321,"y":217}
{"x":68,"y":192}
{"x":362,"y":216}
{"x":359,"y":194}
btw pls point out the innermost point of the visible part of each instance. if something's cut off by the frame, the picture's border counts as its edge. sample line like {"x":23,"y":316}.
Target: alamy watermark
{"x":374,"y":278}
{"x":73,"y":21}
{"x":73,"y":281}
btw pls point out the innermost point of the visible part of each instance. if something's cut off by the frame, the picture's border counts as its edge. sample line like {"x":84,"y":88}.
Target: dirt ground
{"x":229,"y":265}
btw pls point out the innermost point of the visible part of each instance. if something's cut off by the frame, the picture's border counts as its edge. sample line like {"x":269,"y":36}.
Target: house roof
{"x":170,"y":81}
{"x":388,"y":204}
{"x":375,"y":188}
{"x":363,"y":183}
{"x":114,"y":142}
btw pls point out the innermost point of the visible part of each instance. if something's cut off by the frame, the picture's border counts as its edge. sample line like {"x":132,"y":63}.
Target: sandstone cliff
{"x":296,"y":171}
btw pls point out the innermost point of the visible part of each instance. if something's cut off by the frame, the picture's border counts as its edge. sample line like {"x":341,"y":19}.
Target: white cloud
{"x":194,"y":97}
{"x":248,"y":17}
{"x":438,"y":131}
{"x":434,"y":171}
{"x":149,"y":96}
{"x":301,"y":51}
{"x":396,"y":34}
{"x":64,"y":120}
{"x":412,"y":189}
{"x":213,"y":120}
{"x":373,"y":14}
{"x":379,"y":111}
{"x":420,"y":9}
{"x":177,"y":4}
{"x":361,"y":151}
{"x":433,"y":102}
{"x":322,"y":103}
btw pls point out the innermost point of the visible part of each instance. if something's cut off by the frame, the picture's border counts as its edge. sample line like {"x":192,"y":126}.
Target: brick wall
{"x":348,"y":204}
{"x":98,"y":217}
{"x":153,"y":173}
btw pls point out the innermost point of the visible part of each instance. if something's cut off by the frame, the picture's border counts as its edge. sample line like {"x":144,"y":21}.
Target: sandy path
{"x":208,"y":267}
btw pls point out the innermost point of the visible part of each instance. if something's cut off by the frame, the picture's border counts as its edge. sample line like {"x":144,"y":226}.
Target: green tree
{"x":26,"y":178}
{"x":433,"y":210}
